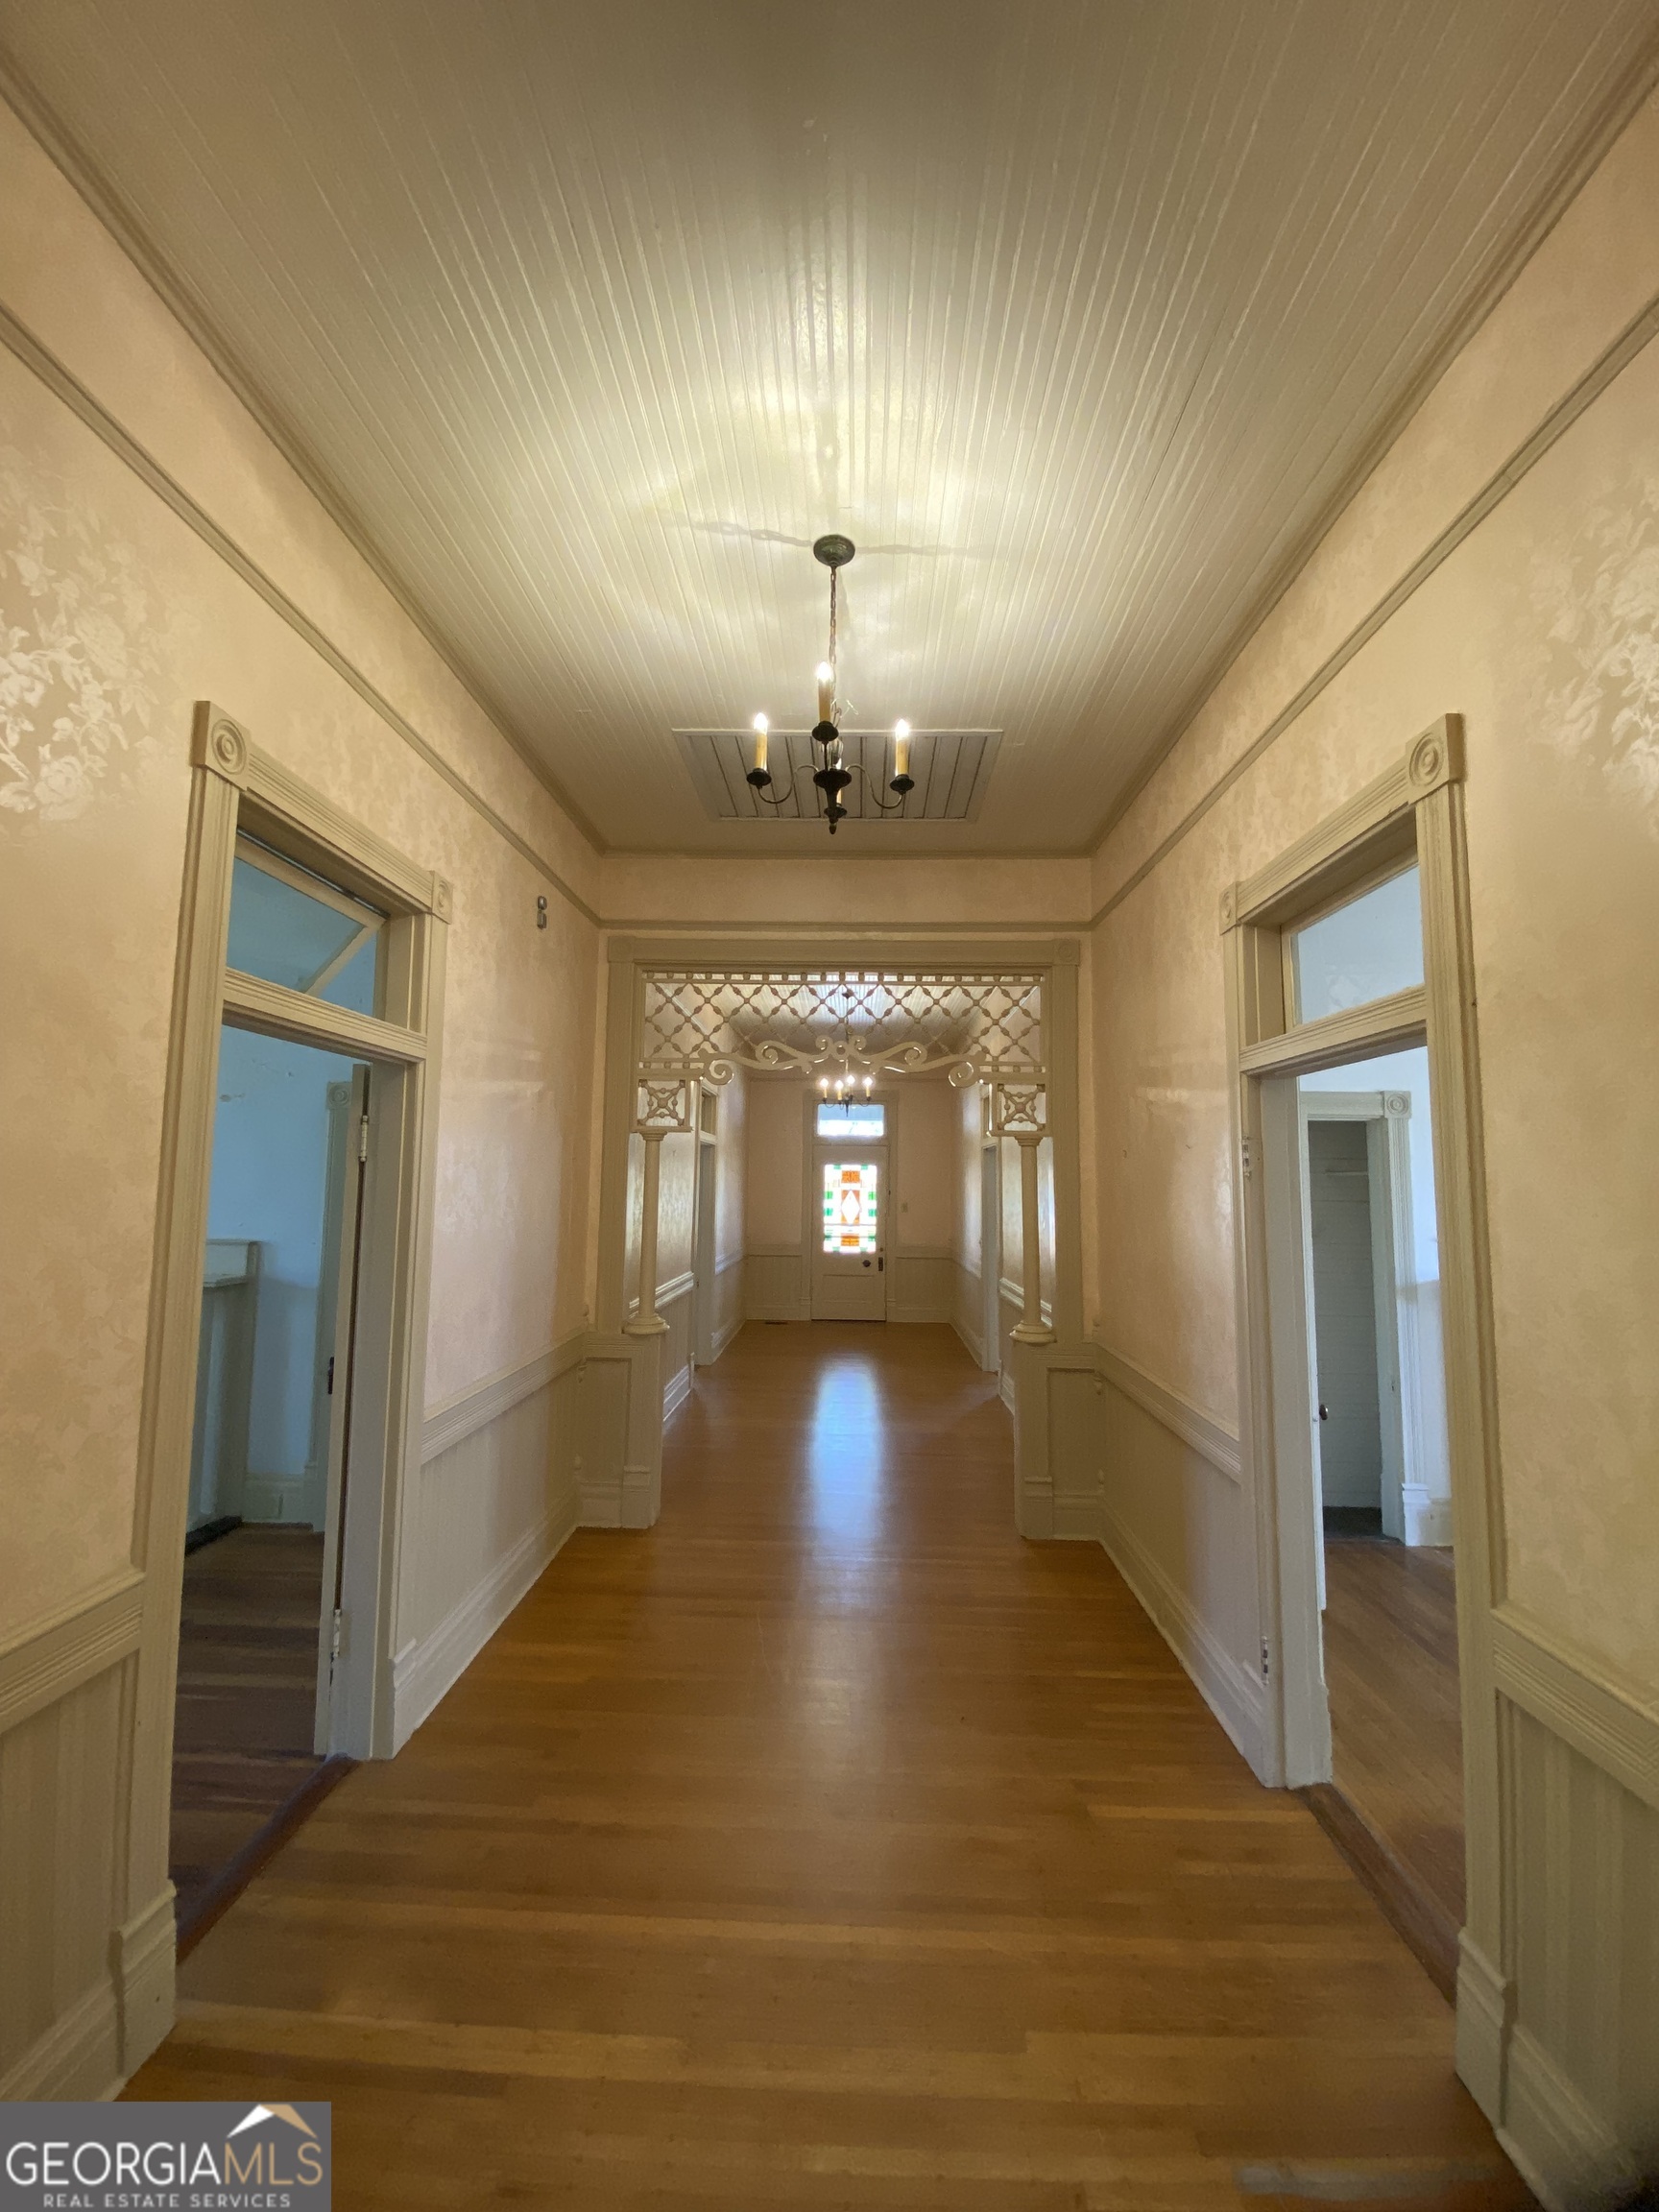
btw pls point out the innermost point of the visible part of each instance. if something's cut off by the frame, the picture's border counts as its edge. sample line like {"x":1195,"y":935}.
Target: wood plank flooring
{"x":828,"y":1846}
{"x":244,"y":1715}
{"x":1391,"y":1673}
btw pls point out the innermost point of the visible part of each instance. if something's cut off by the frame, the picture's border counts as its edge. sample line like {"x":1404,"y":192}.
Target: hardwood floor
{"x":1391,"y":1672}
{"x":828,"y":1846}
{"x":244,"y":1715}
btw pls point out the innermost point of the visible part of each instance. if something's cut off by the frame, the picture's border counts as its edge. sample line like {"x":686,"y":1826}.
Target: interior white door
{"x":342,"y":1260}
{"x":849,"y":1246}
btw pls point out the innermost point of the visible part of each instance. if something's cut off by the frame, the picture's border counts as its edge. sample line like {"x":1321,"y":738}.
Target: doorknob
{"x":1324,"y":1413}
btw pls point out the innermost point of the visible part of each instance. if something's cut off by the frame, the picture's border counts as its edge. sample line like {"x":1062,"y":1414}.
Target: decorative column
{"x":661,"y":1110}
{"x":1018,"y":1110}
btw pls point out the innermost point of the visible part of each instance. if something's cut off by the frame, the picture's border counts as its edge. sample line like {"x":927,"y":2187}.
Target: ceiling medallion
{"x":832,"y":775}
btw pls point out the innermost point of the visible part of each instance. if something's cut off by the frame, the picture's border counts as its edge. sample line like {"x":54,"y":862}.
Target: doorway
{"x":1355,"y":1381}
{"x":850,"y":1189}
{"x":299,"y":1161}
{"x":270,"y":1457}
{"x":1376,"y":1363}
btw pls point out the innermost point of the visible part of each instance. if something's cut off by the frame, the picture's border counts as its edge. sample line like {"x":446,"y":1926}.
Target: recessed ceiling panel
{"x":1077,"y":315}
{"x":950,"y":770}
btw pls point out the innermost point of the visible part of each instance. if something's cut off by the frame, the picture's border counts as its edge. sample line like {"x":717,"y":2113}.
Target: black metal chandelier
{"x":832,"y":775}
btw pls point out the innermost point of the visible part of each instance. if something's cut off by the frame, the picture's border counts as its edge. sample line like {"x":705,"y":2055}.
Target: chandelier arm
{"x":763,"y":792}
{"x":877,"y":800}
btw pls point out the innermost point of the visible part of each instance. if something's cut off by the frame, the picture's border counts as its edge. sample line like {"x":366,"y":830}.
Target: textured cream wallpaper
{"x":1542,"y":629}
{"x":114,"y":617}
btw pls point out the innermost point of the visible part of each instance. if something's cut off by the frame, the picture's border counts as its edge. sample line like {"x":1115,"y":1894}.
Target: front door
{"x":850,"y":1256}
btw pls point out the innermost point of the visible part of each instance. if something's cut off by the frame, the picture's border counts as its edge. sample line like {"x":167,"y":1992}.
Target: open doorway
{"x":261,"y":1609}
{"x":1381,"y":1469}
{"x":1337,"y":1095}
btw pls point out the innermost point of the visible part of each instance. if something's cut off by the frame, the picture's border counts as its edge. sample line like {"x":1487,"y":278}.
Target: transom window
{"x":852,"y":1118}
{"x":290,"y":926}
{"x":1368,"y":948}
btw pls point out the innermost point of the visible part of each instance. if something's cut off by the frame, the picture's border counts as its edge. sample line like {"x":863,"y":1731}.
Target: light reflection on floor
{"x":847,"y":1458}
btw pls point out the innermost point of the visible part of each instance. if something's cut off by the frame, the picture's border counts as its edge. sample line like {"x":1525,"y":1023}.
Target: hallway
{"x":826,"y":1845}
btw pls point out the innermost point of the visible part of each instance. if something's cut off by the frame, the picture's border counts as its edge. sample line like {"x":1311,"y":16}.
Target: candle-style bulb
{"x":760,"y":728}
{"x":826,"y":691}
{"x":901,"y":748}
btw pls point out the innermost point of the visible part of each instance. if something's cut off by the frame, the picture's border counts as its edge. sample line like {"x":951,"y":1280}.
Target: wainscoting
{"x":729,"y":1300}
{"x":74,"y":2015}
{"x":778,"y":1283}
{"x":495,"y":1495}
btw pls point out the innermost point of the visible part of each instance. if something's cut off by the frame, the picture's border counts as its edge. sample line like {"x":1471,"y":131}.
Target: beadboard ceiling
{"x":590,"y":318}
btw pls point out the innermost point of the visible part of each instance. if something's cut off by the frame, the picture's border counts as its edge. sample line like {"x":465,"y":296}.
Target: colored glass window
{"x":850,"y":1205}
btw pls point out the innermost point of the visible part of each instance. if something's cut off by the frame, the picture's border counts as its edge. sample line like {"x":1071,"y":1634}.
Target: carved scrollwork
{"x":874,"y":1022}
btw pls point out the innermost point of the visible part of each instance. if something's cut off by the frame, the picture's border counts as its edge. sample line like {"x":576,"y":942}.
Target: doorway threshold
{"x":214,"y":1900}
{"x":1414,"y":1914}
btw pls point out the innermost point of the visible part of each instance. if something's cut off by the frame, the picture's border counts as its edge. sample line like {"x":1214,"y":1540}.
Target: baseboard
{"x":599,"y":1501}
{"x":924,"y":1316}
{"x":971,"y":1340}
{"x":1486,"y":2007}
{"x":78,"y":2056}
{"x":423,"y":1673}
{"x":675,"y":1392}
{"x":723,"y":1337}
{"x":1428,"y":1519}
{"x":145,"y":1959}
{"x":1232,"y":1693}
{"x":276,"y":1500}
{"x":638,"y":1499}
{"x":1005,"y":1388}
{"x":1564,"y":2152}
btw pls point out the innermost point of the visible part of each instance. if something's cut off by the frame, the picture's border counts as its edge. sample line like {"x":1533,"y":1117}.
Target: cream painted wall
{"x":646,"y":890}
{"x":772,"y":1174}
{"x":731,"y":1146}
{"x":970,"y":1176}
{"x":924,"y":1190}
{"x":123,"y":617}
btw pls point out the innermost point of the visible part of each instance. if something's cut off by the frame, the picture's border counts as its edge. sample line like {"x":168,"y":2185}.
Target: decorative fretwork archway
{"x":698,"y":1026}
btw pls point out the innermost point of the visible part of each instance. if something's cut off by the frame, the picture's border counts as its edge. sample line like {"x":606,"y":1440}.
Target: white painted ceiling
{"x":1076,"y":317}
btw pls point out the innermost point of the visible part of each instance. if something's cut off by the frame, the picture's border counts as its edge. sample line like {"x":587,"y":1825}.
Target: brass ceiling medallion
{"x":832,"y":775}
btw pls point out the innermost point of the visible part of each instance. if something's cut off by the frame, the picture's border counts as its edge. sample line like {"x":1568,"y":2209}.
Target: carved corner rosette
{"x":1435,"y":756}
{"x":443,"y":897}
{"x":219,"y":742}
{"x":1229,"y":907}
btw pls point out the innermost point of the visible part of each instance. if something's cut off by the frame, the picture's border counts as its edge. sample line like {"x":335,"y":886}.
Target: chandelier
{"x":832,"y":775}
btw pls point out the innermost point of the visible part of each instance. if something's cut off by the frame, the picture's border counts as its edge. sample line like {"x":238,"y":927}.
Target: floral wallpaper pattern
{"x":1598,"y":596}
{"x":79,"y":658}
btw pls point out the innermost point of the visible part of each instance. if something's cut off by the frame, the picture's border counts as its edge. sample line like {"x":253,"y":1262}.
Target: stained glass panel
{"x":850,"y":1205}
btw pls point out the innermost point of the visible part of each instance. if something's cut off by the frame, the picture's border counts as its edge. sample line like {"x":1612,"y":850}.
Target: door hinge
{"x":1267,"y":1663}
{"x":1246,"y":1157}
{"x":330,"y":1391}
{"x":363,"y":1139}
{"x":334,"y":1637}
